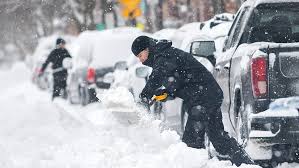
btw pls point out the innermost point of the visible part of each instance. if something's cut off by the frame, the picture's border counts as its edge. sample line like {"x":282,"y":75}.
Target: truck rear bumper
{"x":278,"y":137}
{"x":276,"y":129}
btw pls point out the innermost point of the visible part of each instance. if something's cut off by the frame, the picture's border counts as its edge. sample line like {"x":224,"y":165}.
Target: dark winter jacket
{"x":182,"y":76}
{"x":56,"y":57}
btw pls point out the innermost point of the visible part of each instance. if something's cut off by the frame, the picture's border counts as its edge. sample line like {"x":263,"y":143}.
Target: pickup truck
{"x":259,"y":64}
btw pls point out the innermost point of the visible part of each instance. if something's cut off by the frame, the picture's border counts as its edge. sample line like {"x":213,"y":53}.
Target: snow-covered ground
{"x":38,"y":133}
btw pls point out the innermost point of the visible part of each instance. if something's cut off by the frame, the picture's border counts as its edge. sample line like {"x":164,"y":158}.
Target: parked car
{"x":96,"y":54}
{"x":259,"y":65}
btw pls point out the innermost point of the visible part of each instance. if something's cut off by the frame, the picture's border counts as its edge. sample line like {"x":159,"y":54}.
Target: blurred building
{"x":179,"y":12}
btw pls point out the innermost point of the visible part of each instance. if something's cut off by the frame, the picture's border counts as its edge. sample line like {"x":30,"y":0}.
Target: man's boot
{"x":194,"y":134}
{"x":238,"y":155}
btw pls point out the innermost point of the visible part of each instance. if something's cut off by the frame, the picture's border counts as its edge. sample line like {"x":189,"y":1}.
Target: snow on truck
{"x":259,"y":65}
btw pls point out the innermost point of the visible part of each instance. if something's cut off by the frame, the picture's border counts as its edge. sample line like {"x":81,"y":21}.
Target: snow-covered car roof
{"x":191,"y":27}
{"x":258,"y":2}
{"x":186,"y":30}
{"x":220,"y":30}
{"x":105,"y":48}
{"x":164,"y":34}
{"x":218,"y":19}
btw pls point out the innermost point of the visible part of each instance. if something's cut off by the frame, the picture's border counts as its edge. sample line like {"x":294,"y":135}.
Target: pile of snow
{"x":121,"y":78}
{"x":118,"y":97}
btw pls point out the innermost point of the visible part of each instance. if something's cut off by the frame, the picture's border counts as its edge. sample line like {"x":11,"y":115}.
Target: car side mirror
{"x":203,"y":48}
{"x":121,"y":65}
{"x":142,"y":72}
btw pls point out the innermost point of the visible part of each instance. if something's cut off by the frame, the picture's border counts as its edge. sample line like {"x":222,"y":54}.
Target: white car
{"x":97,"y":53}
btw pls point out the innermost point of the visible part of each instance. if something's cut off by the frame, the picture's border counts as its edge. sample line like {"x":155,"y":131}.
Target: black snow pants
{"x":202,"y":119}
{"x":59,"y":86}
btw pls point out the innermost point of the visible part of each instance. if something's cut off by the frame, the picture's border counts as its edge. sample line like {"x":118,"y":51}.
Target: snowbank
{"x":119,"y":98}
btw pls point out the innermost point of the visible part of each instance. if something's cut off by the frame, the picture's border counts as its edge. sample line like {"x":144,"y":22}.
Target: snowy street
{"x":38,"y":133}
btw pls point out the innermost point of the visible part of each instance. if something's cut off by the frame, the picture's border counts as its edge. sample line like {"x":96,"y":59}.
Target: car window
{"x":203,"y":48}
{"x":239,"y":26}
{"x":231,"y":31}
{"x":275,"y":23}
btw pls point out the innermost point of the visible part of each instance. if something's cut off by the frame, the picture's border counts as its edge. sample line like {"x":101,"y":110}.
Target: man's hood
{"x":155,"y":50}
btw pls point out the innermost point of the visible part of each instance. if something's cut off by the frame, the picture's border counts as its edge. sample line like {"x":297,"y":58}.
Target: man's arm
{"x":155,"y":79}
{"x":45,"y":64}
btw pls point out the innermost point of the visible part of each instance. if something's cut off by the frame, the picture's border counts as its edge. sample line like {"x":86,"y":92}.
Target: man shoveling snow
{"x":184,"y":77}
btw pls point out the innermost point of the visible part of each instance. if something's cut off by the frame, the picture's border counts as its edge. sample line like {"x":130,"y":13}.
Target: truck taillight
{"x":91,"y":75}
{"x":259,"y":77}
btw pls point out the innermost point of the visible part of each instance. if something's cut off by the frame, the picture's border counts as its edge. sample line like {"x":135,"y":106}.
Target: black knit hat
{"x":60,"y":41}
{"x":139,"y":44}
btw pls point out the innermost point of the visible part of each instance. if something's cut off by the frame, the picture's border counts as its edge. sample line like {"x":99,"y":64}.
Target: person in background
{"x":60,"y":74}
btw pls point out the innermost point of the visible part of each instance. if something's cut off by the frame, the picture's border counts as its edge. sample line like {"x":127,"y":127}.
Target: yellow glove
{"x":161,"y":97}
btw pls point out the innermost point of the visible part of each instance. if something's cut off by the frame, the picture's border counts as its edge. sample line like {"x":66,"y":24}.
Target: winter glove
{"x":160,"y":95}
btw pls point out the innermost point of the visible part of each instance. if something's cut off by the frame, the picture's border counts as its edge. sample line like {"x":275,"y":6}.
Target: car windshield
{"x":203,"y":48}
{"x":276,"y":23}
